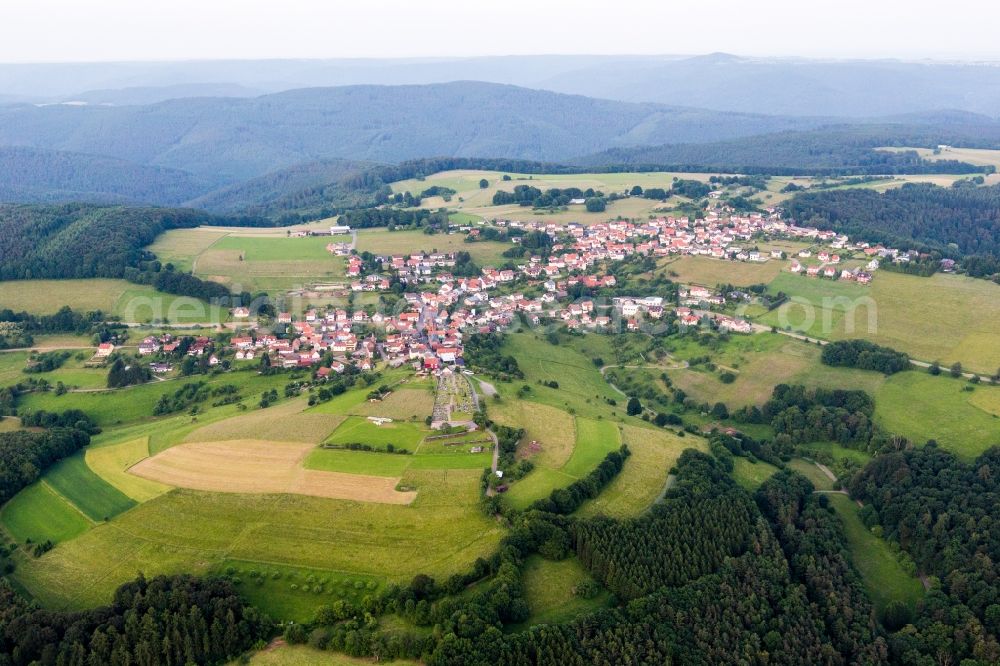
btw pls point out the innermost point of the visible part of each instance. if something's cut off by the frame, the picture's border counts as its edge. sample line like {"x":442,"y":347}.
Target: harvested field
{"x":256,"y":466}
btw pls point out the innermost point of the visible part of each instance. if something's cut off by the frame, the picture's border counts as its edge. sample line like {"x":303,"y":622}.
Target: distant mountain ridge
{"x":719,"y":81}
{"x":232,"y":139}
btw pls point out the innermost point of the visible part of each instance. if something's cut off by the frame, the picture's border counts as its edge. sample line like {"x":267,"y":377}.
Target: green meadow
{"x":38,"y":514}
{"x":962,"y":417}
{"x":883,"y":575}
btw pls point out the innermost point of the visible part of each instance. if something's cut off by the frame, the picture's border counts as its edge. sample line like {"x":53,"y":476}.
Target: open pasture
{"x":385,"y":242}
{"x":581,"y":390}
{"x":136,"y":403}
{"x":472,"y":199}
{"x":358,"y":430}
{"x":39,"y":514}
{"x":762,"y":361}
{"x":553,"y":429}
{"x":303,"y":655}
{"x":751,"y":475}
{"x":944,"y":317}
{"x":549,"y":591}
{"x":920,"y":406}
{"x":293,"y":593}
{"x":440,"y":533}
{"x":258,"y":466}
{"x":711,"y":272}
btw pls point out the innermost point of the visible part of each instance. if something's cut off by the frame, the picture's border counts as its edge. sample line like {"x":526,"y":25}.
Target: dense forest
{"x":87,"y":241}
{"x":831,"y":150}
{"x":163,"y":621}
{"x":31,"y":175}
{"x":800,"y":415}
{"x":960,"y":221}
{"x":943,"y":512}
{"x":25,"y":455}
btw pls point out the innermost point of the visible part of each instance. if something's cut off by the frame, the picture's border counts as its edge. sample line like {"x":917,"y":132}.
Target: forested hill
{"x":86,"y":241}
{"x":235,"y":139}
{"x":31,"y":175}
{"x":967,"y":218}
{"x":272,"y":189}
{"x":839,"y":149}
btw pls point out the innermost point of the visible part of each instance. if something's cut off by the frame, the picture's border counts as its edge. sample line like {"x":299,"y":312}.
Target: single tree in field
{"x":935,"y":368}
{"x":956,"y":369}
{"x":483,"y":184}
{"x":633,"y":407}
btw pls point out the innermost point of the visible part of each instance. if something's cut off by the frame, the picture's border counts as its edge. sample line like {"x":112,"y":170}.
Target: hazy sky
{"x":95,"y":30}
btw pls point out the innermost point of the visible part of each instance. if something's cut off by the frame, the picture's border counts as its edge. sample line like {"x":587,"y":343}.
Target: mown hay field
{"x":442,"y":532}
{"x":112,"y":463}
{"x":92,"y":495}
{"x":259,"y":466}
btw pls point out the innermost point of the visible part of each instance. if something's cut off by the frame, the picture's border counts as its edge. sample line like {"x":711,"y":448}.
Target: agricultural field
{"x":884,"y":577}
{"x":383,"y":242}
{"x":402,"y":404}
{"x":477,"y":202}
{"x":944,"y":317}
{"x":92,"y":495}
{"x":357,"y":430}
{"x":113,"y":462}
{"x":253,"y":259}
{"x":260,"y":466}
{"x":428,"y":456}
{"x":643,"y":480}
{"x":130,"y":302}
{"x":711,"y":272}
{"x":440,"y":533}
{"x":962,"y":418}
{"x":594,"y":440}
{"x":38,"y":514}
